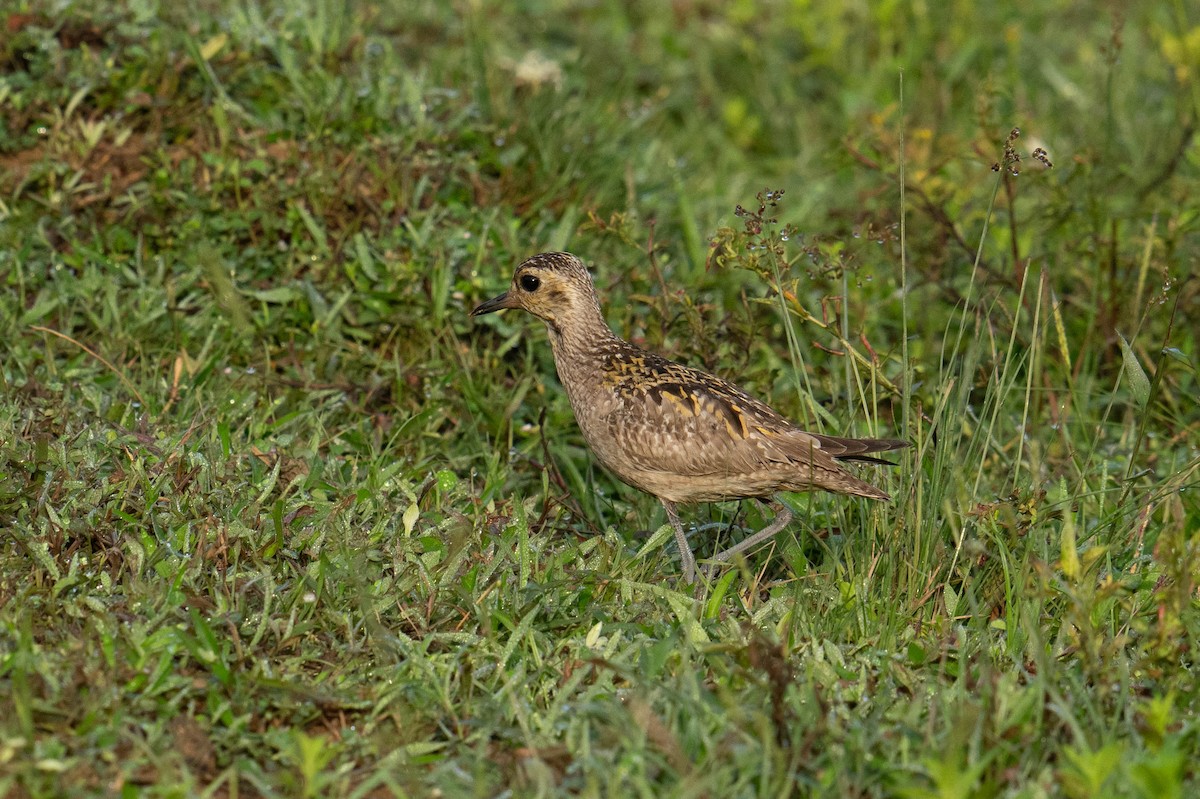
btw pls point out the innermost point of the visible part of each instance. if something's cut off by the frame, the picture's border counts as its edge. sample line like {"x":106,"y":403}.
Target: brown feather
{"x":676,"y":432}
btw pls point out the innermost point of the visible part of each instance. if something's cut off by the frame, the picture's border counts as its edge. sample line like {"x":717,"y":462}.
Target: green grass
{"x":277,"y":518}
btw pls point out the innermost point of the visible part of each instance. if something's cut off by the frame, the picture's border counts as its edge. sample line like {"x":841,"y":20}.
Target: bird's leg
{"x":685,"y":551}
{"x":782,"y":517}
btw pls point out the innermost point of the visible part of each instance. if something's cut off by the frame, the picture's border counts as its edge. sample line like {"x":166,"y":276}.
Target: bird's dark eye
{"x":530,"y":282}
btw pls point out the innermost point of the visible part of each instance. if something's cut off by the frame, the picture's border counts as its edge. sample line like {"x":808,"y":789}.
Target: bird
{"x":678,"y":433}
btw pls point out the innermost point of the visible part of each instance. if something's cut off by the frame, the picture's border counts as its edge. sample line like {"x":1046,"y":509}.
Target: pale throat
{"x":578,"y":331}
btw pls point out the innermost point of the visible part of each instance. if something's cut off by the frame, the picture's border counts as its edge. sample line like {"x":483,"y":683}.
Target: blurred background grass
{"x":280,"y":520}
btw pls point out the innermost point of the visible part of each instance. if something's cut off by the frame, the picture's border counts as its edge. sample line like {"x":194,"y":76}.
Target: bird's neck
{"x":580,"y":343}
{"x":576,"y":333}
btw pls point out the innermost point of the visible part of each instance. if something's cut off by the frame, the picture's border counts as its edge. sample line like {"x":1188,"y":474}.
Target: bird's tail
{"x":856,"y":449}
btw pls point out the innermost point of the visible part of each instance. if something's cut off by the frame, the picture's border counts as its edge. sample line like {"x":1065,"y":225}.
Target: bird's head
{"x":553,"y":286}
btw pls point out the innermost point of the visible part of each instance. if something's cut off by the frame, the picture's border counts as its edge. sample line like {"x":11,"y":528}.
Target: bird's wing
{"x":679,"y":420}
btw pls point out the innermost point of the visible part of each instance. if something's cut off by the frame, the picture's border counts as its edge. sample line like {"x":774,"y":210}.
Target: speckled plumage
{"x":676,"y":432}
